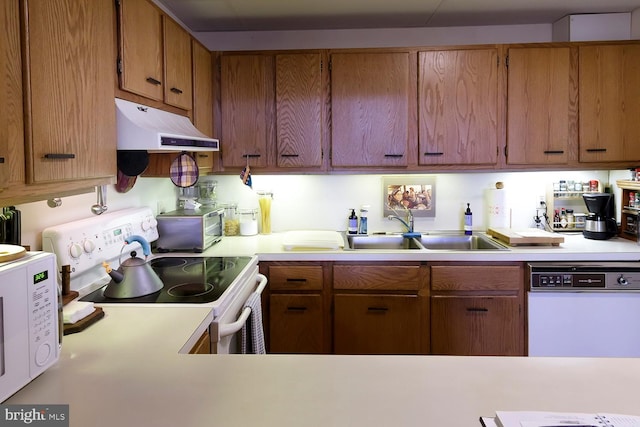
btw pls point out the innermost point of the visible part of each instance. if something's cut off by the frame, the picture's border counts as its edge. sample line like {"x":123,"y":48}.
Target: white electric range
{"x":222,"y":283}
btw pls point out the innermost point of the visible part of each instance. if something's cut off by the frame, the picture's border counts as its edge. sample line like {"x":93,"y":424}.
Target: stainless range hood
{"x":146,"y":128}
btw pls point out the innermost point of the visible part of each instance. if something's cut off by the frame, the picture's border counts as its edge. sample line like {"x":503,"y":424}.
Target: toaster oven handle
{"x":232,"y":328}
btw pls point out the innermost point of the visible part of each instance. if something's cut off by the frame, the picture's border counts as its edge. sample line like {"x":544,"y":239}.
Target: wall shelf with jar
{"x":566,"y":209}
{"x":630,"y":209}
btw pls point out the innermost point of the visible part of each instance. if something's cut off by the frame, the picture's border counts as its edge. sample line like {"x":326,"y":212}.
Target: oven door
{"x":226,"y":328}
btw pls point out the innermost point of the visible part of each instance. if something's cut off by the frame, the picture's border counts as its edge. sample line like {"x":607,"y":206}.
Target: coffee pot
{"x":600,"y":224}
{"x":135,"y":277}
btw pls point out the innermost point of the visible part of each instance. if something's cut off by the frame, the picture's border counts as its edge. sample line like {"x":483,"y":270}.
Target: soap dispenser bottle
{"x":362,"y":227}
{"x":353,"y":222}
{"x":468,"y":220}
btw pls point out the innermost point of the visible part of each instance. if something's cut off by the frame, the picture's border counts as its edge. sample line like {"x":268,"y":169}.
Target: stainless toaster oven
{"x":189,"y":230}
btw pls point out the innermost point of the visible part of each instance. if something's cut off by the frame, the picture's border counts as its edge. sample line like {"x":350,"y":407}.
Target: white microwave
{"x":30,"y":320}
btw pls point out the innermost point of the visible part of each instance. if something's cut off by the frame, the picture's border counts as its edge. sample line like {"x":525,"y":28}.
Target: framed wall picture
{"x":415,"y":193}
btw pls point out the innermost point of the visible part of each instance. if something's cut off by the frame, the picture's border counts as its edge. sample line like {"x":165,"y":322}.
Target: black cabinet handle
{"x":377,"y":309}
{"x":154,"y":81}
{"x":251,"y":155}
{"x":1,"y":159}
{"x":55,"y":156}
{"x":289,"y":155}
{"x":434,"y":153}
{"x":553,"y":151}
{"x":477,"y":309}
{"x":176,"y":90}
{"x":293,"y":279}
{"x":596,"y":150}
{"x":395,"y":156}
{"x":296,"y":308}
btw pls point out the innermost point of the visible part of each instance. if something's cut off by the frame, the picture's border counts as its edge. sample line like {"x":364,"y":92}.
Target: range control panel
{"x":572,"y":277}
{"x":86,"y":243}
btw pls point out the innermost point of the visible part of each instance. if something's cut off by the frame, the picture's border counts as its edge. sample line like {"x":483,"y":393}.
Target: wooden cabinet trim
{"x":385,"y":277}
{"x":477,"y":278}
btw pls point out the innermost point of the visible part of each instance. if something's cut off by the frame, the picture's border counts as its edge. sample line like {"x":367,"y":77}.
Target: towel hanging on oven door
{"x":252,"y":334}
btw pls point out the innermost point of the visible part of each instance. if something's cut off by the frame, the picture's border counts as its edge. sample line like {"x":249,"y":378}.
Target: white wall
{"x":323,"y":201}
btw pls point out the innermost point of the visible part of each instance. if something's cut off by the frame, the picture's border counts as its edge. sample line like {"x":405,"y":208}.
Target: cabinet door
{"x":478,"y":326}
{"x":299,"y":110}
{"x":141,"y":48}
{"x":247,"y":105}
{"x":458,"y":104}
{"x":203,"y":101}
{"x":609,"y":103}
{"x":11,"y":112}
{"x":296,"y":323}
{"x":541,"y":105}
{"x":178,"y":87}
{"x":370,"y":96}
{"x":71,"y":124}
{"x":376,"y":324}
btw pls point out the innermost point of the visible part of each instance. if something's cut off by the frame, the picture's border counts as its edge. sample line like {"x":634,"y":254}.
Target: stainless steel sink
{"x":386,"y":241}
{"x":446,"y":242}
{"x":460,"y":242}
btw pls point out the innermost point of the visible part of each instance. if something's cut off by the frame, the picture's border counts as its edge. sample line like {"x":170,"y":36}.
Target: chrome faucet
{"x":407,"y":223}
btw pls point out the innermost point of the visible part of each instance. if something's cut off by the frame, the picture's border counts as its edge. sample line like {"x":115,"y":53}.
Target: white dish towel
{"x":252,"y":334}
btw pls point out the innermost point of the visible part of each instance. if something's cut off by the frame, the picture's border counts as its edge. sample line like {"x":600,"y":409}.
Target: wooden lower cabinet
{"x":297,"y":316}
{"x":296,"y":323}
{"x":477,"y":309}
{"x":203,"y":345}
{"x":376,"y":324}
{"x":476,"y":325}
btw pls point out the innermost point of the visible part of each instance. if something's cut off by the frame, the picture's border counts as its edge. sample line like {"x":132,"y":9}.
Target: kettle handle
{"x":146,"y":248}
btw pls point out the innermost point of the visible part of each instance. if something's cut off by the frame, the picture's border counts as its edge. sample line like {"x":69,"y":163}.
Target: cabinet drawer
{"x":296,"y":324}
{"x":476,"y":278}
{"x":295,"y":278}
{"x":398,"y":278}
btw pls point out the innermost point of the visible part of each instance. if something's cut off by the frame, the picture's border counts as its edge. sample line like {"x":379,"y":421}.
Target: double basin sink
{"x":444,"y":241}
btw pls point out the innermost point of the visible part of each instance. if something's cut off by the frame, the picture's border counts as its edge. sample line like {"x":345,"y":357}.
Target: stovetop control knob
{"x":89,"y":246}
{"x":75,"y":251}
{"x":623,"y":280}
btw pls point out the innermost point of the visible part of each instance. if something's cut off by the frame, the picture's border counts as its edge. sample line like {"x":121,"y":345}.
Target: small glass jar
{"x":230,"y":221}
{"x":571,"y":222}
{"x":207,"y":191}
{"x":248,"y":222}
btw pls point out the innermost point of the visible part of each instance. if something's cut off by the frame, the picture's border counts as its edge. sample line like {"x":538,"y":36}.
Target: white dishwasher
{"x":584,"y":309}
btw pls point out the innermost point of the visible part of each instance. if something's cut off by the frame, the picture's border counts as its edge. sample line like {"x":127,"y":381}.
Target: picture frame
{"x":418,"y":194}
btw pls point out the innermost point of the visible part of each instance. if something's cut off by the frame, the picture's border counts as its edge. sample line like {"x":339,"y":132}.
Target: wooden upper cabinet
{"x":203,"y":101}
{"x":458,"y":106}
{"x":541,"y":105}
{"x":370,"y":109}
{"x":141,"y":49}
{"x":609,"y":102}
{"x":178,"y":87}
{"x":247,"y":105}
{"x":299,"y":110}
{"x":71,"y":124}
{"x":11,"y":112}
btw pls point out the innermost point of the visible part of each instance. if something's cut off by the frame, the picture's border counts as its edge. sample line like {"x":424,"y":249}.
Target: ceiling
{"x":279,"y":15}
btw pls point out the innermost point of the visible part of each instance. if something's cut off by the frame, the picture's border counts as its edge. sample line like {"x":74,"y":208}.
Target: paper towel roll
{"x":498,"y":211}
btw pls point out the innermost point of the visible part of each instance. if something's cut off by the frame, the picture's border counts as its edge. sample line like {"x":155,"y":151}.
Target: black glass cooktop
{"x":188,"y":280}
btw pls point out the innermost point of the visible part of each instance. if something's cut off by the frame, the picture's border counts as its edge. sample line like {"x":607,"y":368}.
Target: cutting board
{"x":312,"y":240}
{"x":11,"y":252}
{"x":525,"y":236}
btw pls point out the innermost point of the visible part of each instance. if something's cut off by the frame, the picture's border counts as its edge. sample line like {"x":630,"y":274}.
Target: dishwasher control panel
{"x":574,"y":277}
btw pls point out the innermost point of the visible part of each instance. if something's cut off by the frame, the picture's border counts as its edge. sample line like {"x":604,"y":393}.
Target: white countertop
{"x":126,"y":370}
{"x":575,"y":248}
{"x":130,"y":370}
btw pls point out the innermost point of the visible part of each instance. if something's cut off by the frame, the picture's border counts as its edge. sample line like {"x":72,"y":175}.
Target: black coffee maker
{"x":601,"y":222}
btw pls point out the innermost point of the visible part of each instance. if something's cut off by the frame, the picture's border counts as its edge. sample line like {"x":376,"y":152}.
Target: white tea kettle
{"x":135,"y":277}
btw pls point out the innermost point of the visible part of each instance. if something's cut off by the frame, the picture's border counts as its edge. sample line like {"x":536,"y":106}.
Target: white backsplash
{"x":324,"y":201}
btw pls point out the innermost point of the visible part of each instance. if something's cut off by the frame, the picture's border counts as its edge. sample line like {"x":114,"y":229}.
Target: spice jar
{"x":248,"y":222}
{"x":571,"y":222}
{"x":230,"y":219}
